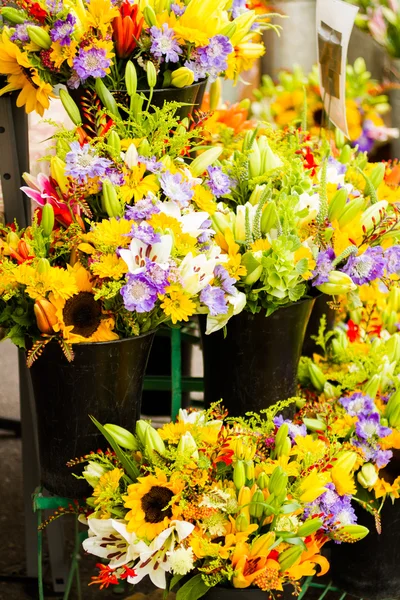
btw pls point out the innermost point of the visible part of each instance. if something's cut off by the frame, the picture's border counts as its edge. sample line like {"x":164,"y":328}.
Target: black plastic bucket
{"x":105,"y":380}
{"x":255,"y":365}
{"x":321,"y":308}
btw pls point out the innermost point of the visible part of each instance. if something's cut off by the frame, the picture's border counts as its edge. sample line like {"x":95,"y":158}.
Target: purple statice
{"x":164,"y":43}
{"x":219,"y":183}
{"x":21,"y":33}
{"x":357,"y":404}
{"x":92,"y":62}
{"x":83,"y":163}
{"x":333,"y":509}
{"x":368,"y":427}
{"x":214,"y":299}
{"x":62,"y":30}
{"x":178,"y":9}
{"x":143,"y":209}
{"x":138,"y":294}
{"x":156,"y":276}
{"x":145,"y":233}
{"x":392,"y":257}
{"x":324,"y":266}
{"x":369,"y":450}
{"x":176,"y":188}
{"x":366,"y":267}
{"x":151,"y":163}
{"x":238,"y":8}
{"x":294,"y":430}
{"x":225,"y":281}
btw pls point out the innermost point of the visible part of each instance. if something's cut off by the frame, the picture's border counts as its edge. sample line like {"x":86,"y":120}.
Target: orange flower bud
{"x":45,"y":314}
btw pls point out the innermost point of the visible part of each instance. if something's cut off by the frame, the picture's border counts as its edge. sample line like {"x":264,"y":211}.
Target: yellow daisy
{"x":137,"y":186}
{"x":177,"y":305}
{"x":55,"y":280}
{"x":204,"y":199}
{"x":59,"y":54}
{"x":109,"y":265}
{"x":111,"y":233}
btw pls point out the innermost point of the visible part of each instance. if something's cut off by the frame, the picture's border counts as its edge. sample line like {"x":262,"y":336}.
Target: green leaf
{"x":129,"y":466}
{"x":291,"y":507}
{"x":17,"y":336}
{"x":193,"y":589}
{"x":175,"y":579}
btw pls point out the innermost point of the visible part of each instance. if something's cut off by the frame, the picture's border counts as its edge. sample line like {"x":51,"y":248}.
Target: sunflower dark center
{"x":317,"y":116}
{"x":29,"y":73}
{"x":84,"y":313}
{"x":154,"y":502}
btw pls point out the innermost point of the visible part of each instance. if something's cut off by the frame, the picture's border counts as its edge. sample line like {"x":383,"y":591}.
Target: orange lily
{"x":305,"y":565}
{"x":127,"y":27}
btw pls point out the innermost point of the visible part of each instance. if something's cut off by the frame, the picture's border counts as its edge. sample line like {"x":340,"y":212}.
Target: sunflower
{"x":80,"y":318}
{"x":152,"y":504}
{"x":14,"y":63}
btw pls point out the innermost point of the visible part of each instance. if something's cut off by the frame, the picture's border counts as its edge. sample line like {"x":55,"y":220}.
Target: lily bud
{"x":92,"y":473}
{"x":278,"y":482}
{"x":239,"y":474}
{"x":354,"y":532}
{"x":141,"y":428}
{"x":153,"y":443}
{"x":151,"y":74}
{"x":373,"y":215}
{"x":289,"y":557}
{"x":256,"y":194}
{"x":57,"y":171}
{"x":262,"y":481}
{"x":130,"y":78}
{"x":131,"y":157}
{"x":149,"y":16}
{"x":182,"y":77}
{"x":12,"y":15}
{"x":309,"y":527}
{"x":372,"y":386}
{"x":262,"y":544}
{"x":393,"y":299}
{"x":43,"y":266}
{"x":71,"y":107}
{"x":244,"y":498}
{"x":367,"y":476}
{"x":215,"y":93}
{"x":339,"y":138}
{"x":350,"y":211}
{"x":269,"y":218}
{"x":220,"y":222}
{"x":114,"y":142}
{"x":337,"y":204}
{"x":345,"y":154}
{"x":12,"y":240}
{"x":106,"y":97}
{"x":249,"y":470}
{"x":393,"y":347}
{"x":269,"y":160}
{"x":46,"y":315}
{"x":122,"y":436}
{"x":188,"y":446}
{"x":330,"y":391}
{"x":338,"y":283}
{"x":110,"y":199}
{"x":280,"y":439}
{"x":144,"y":148}
{"x":136,"y":105}
{"x":39,"y":36}
{"x":392,"y":412}
{"x":376,"y":177}
{"x":204,"y":160}
{"x":241,"y":523}
{"x":317,"y":377}
{"x":257,"y":505}
{"x":253,"y":266}
{"x":255,"y":161}
{"x":314,"y":424}
{"x":47,"y":222}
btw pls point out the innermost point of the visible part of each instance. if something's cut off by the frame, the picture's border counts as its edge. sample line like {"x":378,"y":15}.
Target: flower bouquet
{"x":74,"y":43}
{"x":216,"y":501}
{"x":296,"y":100}
{"x":291,"y":225}
{"x":352,"y":396}
{"x":381,"y":19}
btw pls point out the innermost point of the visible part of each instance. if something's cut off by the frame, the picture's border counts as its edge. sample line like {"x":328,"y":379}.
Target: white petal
{"x":92,"y":546}
{"x":127,"y":256}
{"x":183,"y":529}
{"x":100,"y":527}
{"x":158,"y":578}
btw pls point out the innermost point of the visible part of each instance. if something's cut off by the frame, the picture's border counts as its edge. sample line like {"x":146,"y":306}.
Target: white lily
{"x":92,"y":473}
{"x":237,"y":304}
{"x":191,"y":222}
{"x":154,"y":559}
{"x":312,"y":203}
{"x":109,"y":538}
{"x":131,"y":157}
{"x":138,"y":251}
{"x":197,"y":417}
{"x":196,"y":272}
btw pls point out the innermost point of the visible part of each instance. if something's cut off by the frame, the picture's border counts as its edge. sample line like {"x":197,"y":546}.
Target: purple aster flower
{"x":357,"y":404}
{"x":92,"y":62}
{"x":176,"y":188}
{"x":323,"y":266}
{"x":340,"y":167}
{"x":392,"y":257}
{"x":62,"y":30}
{"x":177,"y":9}
{"x":156,"y":276}
{"x":83,"y":162}
{"x":138,"y":294}
{"x":199,"y":71}
{"x":238,"y":8}
{"x":368,"y":450}
{"x":344,"y":515}
{"x":54,"y":6}
{"x":382,"y":457}
{"x":21,"y":33}
{"x":214,"y":55}
{"x":294,"y":430}
{"x":151,"y":163}
{"x":115,"y":177}
{"x":364,"y":142}
{"x":368,"y":427}
{"x":206,"y":233}
{"x":145,"y":233}
{"x":219,"y":183}
{"x":214,"y":299}
{"x":366,"y":267}
{"x":142,"y":210}
{"x":226,"y":282}
{"x":164,"y":43}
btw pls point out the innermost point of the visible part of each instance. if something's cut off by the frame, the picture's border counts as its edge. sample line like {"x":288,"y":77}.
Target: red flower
{"x":128,"y":572}
{"x":105,"y":577}
{"x":37,"y":12}
{"x":353,"y":331}
{"x":127,"y":28}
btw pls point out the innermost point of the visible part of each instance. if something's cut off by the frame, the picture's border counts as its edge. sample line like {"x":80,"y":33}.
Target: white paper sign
{"x":335,"y":20}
